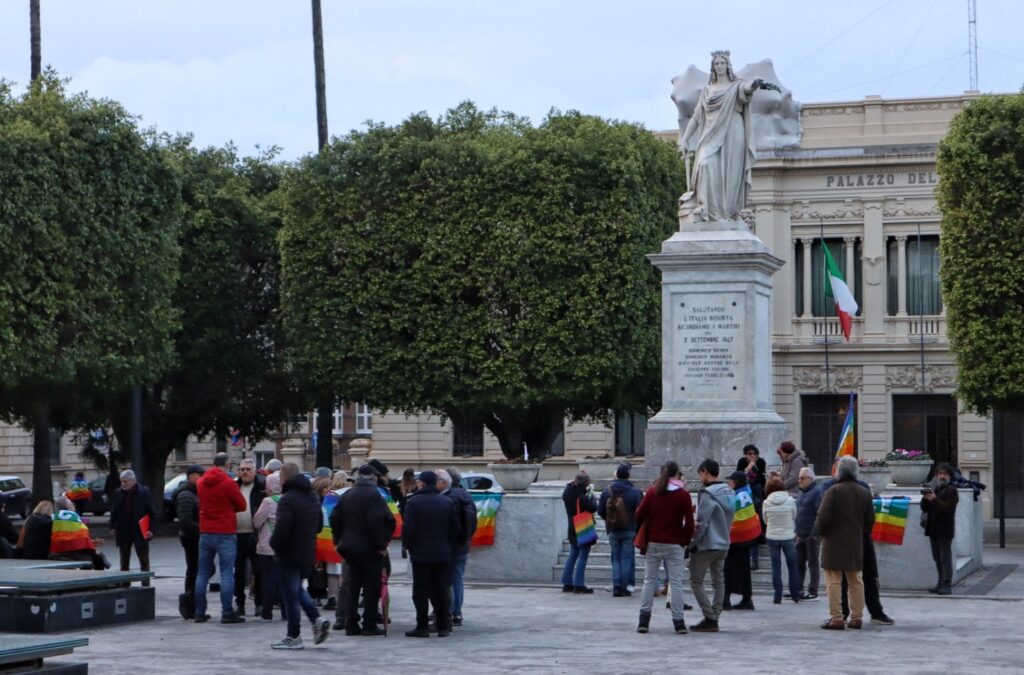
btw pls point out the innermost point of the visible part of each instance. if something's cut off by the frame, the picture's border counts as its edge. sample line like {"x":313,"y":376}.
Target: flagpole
{"x":828,"y":375}
{"x":920,"y":301}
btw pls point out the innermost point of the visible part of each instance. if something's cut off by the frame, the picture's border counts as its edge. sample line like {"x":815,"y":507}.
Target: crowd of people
{"x":295,"y":537}
{"x":807,"y":524}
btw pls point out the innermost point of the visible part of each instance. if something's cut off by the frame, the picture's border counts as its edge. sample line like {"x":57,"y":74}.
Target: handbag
{"x":583,"y":524}
{"x":640,"y":540}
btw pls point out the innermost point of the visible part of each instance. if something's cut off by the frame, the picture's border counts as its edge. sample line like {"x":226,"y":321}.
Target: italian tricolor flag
{"x":836,"y":288}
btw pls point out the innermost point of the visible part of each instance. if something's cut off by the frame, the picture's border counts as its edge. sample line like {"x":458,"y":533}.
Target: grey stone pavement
{"x":538,"y":629}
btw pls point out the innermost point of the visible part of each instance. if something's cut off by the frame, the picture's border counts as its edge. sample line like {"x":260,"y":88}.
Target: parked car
{"x":477,"y":482}
{"x":15,"y":498}
{"x":170,"y":486}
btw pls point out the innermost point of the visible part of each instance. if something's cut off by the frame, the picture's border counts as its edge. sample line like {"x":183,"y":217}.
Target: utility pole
{"x":325,"y":404}
{"x":972,"y":41}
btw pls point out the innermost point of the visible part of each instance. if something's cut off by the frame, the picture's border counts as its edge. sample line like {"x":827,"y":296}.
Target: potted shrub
{"x":877,"y":473}
{"x":909,"y":467}
{"x":515,"y":475}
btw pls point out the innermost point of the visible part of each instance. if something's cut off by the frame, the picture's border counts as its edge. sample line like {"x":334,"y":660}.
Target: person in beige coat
{"x":846,"y":514}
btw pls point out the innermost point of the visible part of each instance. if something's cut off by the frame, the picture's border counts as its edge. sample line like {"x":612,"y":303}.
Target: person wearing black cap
{"x":617,"y":507}
{"x":186,"y":508}
{"x":361,"y":525}
{"x":430,"y":531}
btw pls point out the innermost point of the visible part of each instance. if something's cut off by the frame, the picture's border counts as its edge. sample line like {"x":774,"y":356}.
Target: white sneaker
{"x":631,"y":589}
{"x":289,"y":643}
{"x":321,"y":629}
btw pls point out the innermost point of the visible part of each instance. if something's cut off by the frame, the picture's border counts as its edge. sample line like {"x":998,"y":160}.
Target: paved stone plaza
{"x":539,"y":629}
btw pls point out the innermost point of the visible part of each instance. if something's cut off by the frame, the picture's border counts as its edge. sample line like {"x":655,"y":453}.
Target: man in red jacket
{"x":665,"y":517}
{"x":219,"y":500}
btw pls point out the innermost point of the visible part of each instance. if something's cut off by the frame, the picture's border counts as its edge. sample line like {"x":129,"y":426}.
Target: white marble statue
{"x":719,"y":132}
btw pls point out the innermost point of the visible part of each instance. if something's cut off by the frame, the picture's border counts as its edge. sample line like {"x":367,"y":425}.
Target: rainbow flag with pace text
{"x":78,"y":491}
{"x":487,"y":505}
{"x":325,"y":551}
{"x":393,"y":508}
{"x":890,"y":519}
{"x":746,"y":526}
{"x":845,"y":446}
{"x":69,"y":533}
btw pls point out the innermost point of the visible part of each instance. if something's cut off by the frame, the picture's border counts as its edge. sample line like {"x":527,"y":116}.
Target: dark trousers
{"x":430,"y":582}
{"x":268,"y":585}
{"x":737,"y":572}
{"x":807,"y":559}
{"x":191,"y":546}
{"x":872,"y":591}
{"x":361,"y":575}
{"x":141,"y":552}
{"x":942,"y":554}
{"x":246,"y":555}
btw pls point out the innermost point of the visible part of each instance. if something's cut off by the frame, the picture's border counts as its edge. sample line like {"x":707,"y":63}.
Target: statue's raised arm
{"x":717,"y":134}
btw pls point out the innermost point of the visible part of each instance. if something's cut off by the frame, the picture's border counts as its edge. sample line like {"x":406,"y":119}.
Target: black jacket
{"x":631,"y":496}
{"x":186,"y":509}
{"x":299,"y":520}
{"x":259,"y":492}
{"x":759,"y":475}
{"x":361,"y":522}
{"x":941,"y":512}
{"x":430,"y":528}
{"x":127,"y":510}
{"x":7,"y":531}
{"x":36,"y":542}
{"x":573,"y":495}
{"x":467,"y":517}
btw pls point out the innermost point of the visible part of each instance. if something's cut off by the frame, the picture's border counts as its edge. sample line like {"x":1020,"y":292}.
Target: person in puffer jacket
{"x":780,"y":520}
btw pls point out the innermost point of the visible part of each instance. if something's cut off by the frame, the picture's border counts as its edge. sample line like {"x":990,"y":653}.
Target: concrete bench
{"x":28,"y":654}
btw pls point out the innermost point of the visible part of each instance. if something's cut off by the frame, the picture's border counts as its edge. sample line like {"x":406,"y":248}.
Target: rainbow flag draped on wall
{"x":845,"y":446}
{"x":393,"y":507}
{"x":69,"y":533}
{"x":746,"y":526}
{"x":78,"y":491}
{"x":325,"y":551}
{"x":487,"y":505}
{"x":890,"y":519}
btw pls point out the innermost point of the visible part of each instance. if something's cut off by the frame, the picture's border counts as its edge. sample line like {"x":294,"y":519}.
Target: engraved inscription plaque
{"x":707,"y":363}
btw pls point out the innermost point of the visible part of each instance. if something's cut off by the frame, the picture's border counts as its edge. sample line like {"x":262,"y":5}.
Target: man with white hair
{"x":846,"y":514}
{"x":131,"y":505}
{"x":808,"y":543}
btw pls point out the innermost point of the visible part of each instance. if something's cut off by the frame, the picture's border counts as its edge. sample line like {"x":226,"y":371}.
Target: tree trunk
{"x":320,"y":76}
{"x":325,"y":433}
{"x":537,"y":428}
{"x":34,"y":28}
{"x":42,"y":480}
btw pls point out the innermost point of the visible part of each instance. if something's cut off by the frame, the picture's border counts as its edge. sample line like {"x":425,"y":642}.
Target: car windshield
{"x":11,"y":484}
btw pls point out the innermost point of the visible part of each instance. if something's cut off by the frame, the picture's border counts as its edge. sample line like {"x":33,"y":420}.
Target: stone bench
{"x":28,"y":654}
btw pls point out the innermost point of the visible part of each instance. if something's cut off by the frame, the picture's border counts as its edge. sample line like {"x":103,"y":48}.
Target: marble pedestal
{"x":716,"y":347}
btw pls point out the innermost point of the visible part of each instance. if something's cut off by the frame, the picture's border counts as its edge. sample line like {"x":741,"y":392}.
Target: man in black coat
{"x":186,"y":509}
{"x":430,"y":531}
{"x":448,"y":484}
{"x":940,"y":502}
{"x":131,"y":504}
{"x":361,"y":525}
{"x":299,"y":520}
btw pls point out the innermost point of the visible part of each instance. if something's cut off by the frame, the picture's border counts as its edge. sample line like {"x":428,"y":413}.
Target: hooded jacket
{"x":715,"y":508}
{"x":186,"y":508}
{"x":790,"y":472}
{"x":298,"y":521}
{"x":631,"y":497}
{"x":779,"y":516}
{"x":219,"y":501}
{"x":669,"y":516}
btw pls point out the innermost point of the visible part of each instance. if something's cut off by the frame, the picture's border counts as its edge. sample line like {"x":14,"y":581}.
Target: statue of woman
{"x":719,"y":134}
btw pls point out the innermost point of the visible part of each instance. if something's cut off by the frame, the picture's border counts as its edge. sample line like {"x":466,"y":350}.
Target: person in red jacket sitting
{"x":665,"y":521}
{"x":219,"y":500}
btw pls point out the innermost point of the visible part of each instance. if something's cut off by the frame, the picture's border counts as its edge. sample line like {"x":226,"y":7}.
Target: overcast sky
{"x":243,"y":70}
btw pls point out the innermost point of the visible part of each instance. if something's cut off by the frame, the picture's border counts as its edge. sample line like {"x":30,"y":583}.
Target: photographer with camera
{"x":939,"y":503}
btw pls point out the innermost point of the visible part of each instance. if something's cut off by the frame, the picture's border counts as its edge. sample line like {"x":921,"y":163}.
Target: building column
{"x":850,"y":245}
{"x":807,"y":245}
{"x":901,"y":275}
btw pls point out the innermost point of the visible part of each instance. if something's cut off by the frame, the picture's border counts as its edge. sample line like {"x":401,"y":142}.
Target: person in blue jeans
{"x":219,"y":501}
{"x":224,"y":548}
{"x":780,"y":531}
{"x":617,"y":507}
{"x":578,"y":497}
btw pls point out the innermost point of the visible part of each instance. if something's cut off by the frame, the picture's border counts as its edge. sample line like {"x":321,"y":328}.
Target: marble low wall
{"x":910,"y":565}
{"x":529,"y":532}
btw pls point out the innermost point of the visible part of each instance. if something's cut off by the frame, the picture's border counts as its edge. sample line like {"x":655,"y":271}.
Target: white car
{"x":478,"y":482}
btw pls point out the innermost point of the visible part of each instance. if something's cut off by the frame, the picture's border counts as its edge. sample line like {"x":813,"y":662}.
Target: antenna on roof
{"x":972,"y":38}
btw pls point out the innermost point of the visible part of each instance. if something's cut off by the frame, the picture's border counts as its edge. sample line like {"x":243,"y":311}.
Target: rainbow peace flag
{"x":78,"y":491}
{"x":846,"y":435}
{"x":746,"y":526}
{"x":487,"y":505}
{"x":890,"y":519}
{"x":325,"y":551}
{"x":393,"y":508}
{"x":69,"y":533}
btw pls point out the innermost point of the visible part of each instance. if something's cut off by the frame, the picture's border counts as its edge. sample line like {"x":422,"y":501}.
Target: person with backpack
{"x":617,"y":507}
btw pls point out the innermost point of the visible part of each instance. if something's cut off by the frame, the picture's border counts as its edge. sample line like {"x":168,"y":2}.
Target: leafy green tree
{"x":981,"y":167}
{"x":482,"y":269}
{"x":89,"y":207}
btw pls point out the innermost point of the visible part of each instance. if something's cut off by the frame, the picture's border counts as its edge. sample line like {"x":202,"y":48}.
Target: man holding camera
{"x":939,"y":505}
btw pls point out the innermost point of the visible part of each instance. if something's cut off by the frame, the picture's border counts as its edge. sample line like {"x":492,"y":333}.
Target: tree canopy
{"x":981,"y":169}
{"x":482,"y":269}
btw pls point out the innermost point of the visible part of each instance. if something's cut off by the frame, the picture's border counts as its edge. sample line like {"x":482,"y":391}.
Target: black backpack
{"x":616,"y":515}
